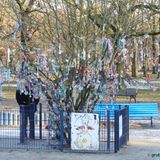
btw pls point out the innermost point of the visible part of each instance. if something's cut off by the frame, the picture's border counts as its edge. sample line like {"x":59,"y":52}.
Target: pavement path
{"x":134,"y":151}
{"x":141,"y":146}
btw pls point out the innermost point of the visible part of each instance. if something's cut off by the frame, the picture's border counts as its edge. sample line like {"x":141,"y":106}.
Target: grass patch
{"x":143,"y":96}
{"x":8,"y":88}
{"x":8,"y":92}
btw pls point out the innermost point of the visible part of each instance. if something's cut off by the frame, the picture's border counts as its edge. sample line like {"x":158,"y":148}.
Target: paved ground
{"x":135,"y":150}
{"x":144,"y":144}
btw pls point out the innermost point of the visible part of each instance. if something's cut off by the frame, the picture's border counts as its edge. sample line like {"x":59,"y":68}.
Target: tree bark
{"x":154,"y":47}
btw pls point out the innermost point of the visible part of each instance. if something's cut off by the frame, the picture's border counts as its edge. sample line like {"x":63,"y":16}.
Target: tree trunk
{"x":154,"y":55}
{"x":134,"y":68}
{"x":134,"y":65}
{"x":154,"y":48}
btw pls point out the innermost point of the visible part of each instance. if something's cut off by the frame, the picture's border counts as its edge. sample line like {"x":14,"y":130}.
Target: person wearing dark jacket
{"x":27,"y":109}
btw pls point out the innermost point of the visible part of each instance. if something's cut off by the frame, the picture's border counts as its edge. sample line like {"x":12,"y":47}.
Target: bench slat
{"x":136,"y":110}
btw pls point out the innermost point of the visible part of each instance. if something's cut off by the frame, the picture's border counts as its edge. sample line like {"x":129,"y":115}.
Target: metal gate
{"x":121,"y":128}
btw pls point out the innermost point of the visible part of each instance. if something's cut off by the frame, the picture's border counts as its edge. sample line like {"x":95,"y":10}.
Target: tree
{"x":85,"y":45}
{"x":70,"y":31}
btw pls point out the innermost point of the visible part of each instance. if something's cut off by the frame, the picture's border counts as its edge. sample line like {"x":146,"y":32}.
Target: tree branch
{"x":19,"y":4}
{"x":154,"y":8}
{"x":138,"y":34}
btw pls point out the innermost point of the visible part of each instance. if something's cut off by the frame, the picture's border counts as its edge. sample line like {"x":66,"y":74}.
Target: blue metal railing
{"x":13,"y":133}
{"x":113,"y":131}
{"x":121,"y":128}
{"x":61,"y":131}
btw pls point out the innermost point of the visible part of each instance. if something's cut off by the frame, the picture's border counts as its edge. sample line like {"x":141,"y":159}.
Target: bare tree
{"x":69,"y":30}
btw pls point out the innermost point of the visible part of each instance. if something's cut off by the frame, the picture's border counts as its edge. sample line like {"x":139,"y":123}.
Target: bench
{"x":136,"y":110}
{"x":130,"y":92}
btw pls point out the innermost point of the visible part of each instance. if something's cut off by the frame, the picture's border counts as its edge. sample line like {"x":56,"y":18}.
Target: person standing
{"x":27,"y":105}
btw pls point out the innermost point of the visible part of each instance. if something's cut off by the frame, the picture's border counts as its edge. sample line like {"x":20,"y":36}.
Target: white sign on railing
{"x":84,"y":131}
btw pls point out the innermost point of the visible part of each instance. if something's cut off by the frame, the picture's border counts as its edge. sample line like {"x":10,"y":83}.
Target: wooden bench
{"x":130,"y":92}
{"x":136,"y":110}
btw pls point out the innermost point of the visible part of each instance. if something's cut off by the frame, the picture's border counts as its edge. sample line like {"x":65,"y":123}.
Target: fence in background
{"x":12,"y":118}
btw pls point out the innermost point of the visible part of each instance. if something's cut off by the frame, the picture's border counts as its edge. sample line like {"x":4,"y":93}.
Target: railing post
{"x":116,"y":131}
{"x":61,"y":130}
{"x":108,"y":130}
{"x":31,"y":111}
{"x":127,"y":123}
{"x":22,"y":124}
{"x":40,"y":121}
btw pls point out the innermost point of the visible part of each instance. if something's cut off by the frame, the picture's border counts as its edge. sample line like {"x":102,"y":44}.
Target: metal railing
{"x":121,"y":128}
{"x":11,"y":128}
{"x":113,"y":131}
